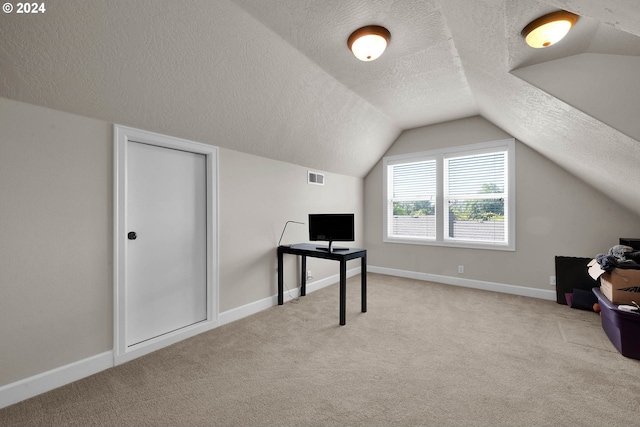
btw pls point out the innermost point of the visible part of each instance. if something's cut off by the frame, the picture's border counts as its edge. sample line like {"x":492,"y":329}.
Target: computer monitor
{"x":332,"y":228}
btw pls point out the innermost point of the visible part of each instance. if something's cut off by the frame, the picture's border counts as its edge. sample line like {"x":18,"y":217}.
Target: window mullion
{"x":440,"y":198}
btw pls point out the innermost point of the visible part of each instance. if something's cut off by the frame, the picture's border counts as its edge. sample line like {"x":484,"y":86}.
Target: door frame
{"x":122,"y":135}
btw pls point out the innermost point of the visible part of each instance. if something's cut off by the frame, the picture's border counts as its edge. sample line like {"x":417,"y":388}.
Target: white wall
{"x":556,"y":214}
{"x":56,"y":232}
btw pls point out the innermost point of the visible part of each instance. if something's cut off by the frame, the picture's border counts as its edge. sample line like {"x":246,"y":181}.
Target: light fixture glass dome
{"x":549,"y":29}
{"x":368,"y":43}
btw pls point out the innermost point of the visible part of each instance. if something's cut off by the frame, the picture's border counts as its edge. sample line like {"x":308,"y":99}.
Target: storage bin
{"x":622,"y":327}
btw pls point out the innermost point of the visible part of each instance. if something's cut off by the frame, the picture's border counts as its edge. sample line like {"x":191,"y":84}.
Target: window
{"x":462,"y":196}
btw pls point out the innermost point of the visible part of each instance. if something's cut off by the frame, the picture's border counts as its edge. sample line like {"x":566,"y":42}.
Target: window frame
{"x":439,"y":155}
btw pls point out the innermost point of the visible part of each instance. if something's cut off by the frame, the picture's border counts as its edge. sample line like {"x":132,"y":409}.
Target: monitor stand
{"x":331,"y":248}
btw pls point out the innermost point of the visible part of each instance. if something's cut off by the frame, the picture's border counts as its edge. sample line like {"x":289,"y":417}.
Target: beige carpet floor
{"x":424,"y":354}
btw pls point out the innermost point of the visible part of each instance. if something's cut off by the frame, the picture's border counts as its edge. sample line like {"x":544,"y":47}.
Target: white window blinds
{"x":458,"y":196}
{"x":475,"y":194}
{"x":413,"y":199}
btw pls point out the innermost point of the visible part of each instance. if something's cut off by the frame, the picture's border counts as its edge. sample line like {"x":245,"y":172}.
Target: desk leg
{"x":303,"y":279}
{"x":280,"y":290}
{"x":363,"y":278}
{"x":343,"y":292}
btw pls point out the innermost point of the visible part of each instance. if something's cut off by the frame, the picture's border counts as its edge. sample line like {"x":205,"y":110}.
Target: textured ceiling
{"x":419,"y":80}
{"x":275,"y":78}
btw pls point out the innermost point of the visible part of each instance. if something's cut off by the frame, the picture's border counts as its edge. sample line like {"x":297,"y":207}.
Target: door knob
{"x":132,"y":235}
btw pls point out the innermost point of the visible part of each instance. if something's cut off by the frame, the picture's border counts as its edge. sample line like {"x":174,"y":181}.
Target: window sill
{"x":451,"y":244}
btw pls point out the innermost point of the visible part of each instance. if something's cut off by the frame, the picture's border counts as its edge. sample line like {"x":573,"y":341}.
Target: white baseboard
{"x":467,"y":283}
{"x":41,"y":383}
{"x":46,"y":381}
{"x":257,"y":306}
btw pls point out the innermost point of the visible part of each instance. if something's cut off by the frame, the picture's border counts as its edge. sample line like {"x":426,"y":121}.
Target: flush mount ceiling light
{"x":368,"y":43}
{"x":549,"y":29}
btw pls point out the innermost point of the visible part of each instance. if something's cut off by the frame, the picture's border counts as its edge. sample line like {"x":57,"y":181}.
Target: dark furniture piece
{"x":633,"y":242}
{"x":572,"y":273}
{"x":304,"y":250}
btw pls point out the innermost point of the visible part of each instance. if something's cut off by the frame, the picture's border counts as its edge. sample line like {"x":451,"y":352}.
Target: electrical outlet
{"x":309,"y":276}
{"x":552,"y":280}
{"x":461,"y":269}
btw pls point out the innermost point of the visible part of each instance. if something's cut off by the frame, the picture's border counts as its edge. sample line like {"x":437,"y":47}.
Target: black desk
{"x":307,"y":249}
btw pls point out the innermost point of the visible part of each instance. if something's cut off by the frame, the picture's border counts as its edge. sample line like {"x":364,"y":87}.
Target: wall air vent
{"x":315,"y":178}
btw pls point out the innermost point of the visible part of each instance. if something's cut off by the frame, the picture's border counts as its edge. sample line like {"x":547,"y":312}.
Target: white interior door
{"x":166,"y":259}
{"x":166,"y":278}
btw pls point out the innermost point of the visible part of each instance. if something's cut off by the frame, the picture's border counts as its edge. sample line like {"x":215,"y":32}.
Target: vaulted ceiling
{"x":275,"y":78}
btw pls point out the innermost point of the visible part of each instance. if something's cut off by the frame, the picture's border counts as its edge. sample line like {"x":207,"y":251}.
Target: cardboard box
{"x":620,"y":286}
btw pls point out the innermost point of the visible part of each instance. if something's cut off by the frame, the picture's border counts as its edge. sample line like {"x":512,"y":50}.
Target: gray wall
{"x":257,"y":197}
{"x":56,"y":232}
{"x":556,"y":214}
{"x":56,"y":297}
